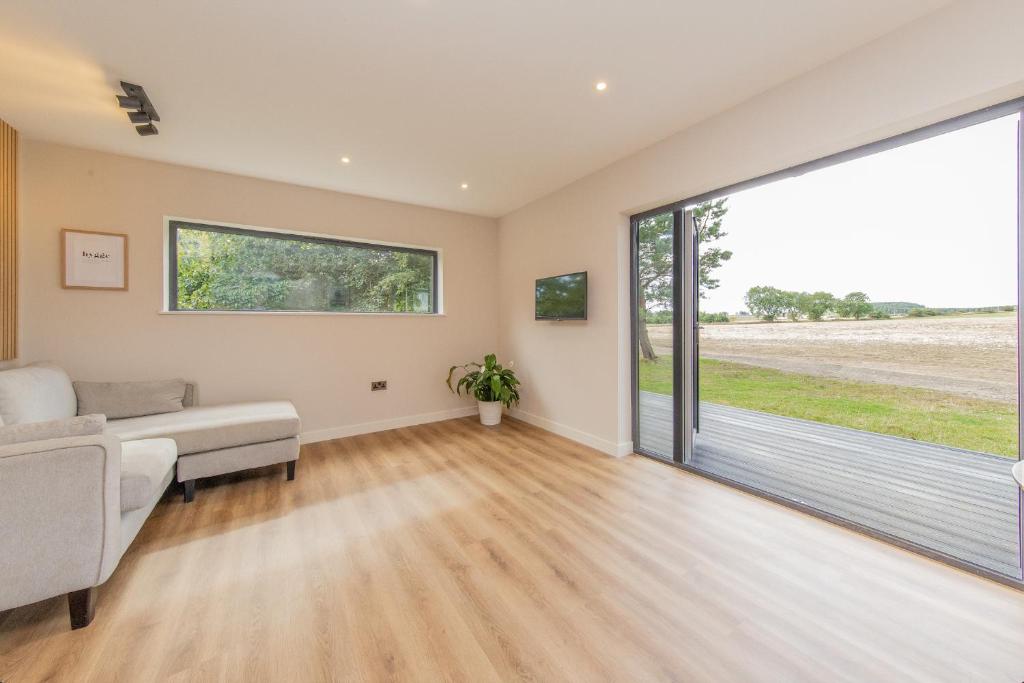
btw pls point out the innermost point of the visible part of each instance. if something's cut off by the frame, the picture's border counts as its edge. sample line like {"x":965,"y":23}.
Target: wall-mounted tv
{"x":562,"y":297}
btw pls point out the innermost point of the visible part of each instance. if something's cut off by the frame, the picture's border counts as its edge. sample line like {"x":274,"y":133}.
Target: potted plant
{"x":490,"y":384}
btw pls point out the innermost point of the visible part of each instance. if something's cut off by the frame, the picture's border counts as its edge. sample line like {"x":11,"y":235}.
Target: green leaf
{"x":487,"y":382}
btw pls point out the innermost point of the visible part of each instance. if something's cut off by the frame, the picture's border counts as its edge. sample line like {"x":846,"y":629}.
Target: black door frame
{"x":677,"y":328}
{"x":923,"y":133}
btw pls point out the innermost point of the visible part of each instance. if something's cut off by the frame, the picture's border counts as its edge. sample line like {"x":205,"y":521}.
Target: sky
{"x":934,"y":223}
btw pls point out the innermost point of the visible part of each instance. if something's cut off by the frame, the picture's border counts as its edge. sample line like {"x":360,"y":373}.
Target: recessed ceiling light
{"x":600,"y":86}
{"x":465,"y":186}
{"x":345,"y":160}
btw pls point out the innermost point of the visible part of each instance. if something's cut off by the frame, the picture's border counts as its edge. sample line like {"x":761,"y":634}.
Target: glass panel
{"x":858,"y":343}
{"x":233,"y":270}
{"x":655,"y":317}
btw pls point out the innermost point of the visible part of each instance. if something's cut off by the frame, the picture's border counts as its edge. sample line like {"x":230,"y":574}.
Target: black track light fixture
{"x":144,"y":112}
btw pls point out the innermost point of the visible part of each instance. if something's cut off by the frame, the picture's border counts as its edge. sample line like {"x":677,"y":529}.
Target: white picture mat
{"x":94,"y":260}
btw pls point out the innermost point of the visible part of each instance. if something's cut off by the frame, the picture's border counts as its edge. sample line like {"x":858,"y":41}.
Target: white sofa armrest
{"x":25,"y":432}
{"x":60,"y":512}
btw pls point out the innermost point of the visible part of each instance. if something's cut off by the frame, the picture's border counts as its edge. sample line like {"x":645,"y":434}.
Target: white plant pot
{"x":490,"y":412}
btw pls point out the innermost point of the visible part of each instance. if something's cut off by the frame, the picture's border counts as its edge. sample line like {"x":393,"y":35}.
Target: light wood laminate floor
{"x":452,"y":551}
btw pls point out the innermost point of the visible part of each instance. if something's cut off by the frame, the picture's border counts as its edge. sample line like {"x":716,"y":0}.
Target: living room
{"x":229,"y":450}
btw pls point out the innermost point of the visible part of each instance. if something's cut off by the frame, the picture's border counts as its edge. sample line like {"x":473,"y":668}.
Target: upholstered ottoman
{"x":220,"y":439}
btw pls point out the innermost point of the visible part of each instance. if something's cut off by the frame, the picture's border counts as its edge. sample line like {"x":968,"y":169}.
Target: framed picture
{"x":94,"y":260}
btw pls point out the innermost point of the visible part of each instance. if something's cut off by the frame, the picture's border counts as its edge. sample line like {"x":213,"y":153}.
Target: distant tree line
{"x":664,"y":317}
{"x":896,"y":307}
{"x":920,"y":310}
{"x":923,"y":311}
{"x":772,"y":303}
{"x":660,"y":317}
{"x":713,"y":317}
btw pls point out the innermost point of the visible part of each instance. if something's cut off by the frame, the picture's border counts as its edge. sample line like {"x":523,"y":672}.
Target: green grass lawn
{"x":922,"y":414}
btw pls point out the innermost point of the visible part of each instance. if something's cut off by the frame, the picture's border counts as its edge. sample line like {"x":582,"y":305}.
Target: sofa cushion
{"x":144,"y":465}
{"x":209,"y":428}
{"x":130,"y":399}
{"x":85,"y":425}
{"x":37,"y":392}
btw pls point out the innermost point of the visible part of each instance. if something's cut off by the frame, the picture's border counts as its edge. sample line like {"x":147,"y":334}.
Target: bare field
{"x":970,"y":355}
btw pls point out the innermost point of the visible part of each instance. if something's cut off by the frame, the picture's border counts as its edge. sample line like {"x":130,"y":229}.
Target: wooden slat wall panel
{"x":8,"y":242}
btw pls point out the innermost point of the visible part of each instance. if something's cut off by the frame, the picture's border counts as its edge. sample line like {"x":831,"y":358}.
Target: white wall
{"x":324,"y":363}
{"x":576,"y":376}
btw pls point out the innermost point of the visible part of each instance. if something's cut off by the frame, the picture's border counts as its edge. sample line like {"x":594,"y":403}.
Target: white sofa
{"x":219,"y":439}
{"x":75,"y":491}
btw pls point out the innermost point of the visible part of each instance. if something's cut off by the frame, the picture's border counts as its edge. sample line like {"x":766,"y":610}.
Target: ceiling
{"x":421,"y":95}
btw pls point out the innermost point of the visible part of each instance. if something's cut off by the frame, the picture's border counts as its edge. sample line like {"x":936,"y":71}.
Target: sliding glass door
{"x":656,"y":335}
{"x":844,"y":338}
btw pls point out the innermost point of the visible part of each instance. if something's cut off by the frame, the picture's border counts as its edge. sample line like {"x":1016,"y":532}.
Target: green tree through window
{"x":654,"y":262}
{"x":222,"y":269}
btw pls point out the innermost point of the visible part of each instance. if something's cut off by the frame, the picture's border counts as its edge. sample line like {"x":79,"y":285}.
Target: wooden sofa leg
{"x":190,"y":490}
{"x":82,"y":607}
{"x":291,"y":469}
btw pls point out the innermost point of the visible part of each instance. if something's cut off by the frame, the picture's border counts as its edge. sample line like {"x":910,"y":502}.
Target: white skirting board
{"x":603,"y":445}
{"x":384,"y":425}
{"x":617,"y":450}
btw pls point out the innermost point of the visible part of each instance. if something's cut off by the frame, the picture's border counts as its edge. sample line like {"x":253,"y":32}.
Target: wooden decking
{"x":957,"y":502}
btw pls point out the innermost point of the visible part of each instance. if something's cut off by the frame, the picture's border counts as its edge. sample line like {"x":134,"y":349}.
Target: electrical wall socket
{"x":379,"y":385}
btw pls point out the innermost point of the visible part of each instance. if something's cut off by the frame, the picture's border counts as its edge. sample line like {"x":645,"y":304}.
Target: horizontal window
{"x":219,"y":268}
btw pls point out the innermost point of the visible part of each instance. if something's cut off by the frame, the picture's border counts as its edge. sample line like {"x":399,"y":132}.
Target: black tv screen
{"x":562,"y":297}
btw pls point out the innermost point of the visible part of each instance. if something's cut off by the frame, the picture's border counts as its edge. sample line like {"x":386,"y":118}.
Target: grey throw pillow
{"x":130,"y":399}
{"x":24,"y":432}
